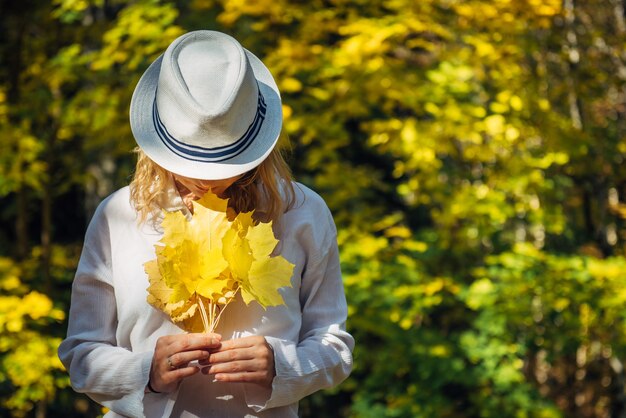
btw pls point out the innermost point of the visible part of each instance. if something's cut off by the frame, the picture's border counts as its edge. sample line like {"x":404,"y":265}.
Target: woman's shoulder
{"x":113,"y":213}
{"x":304,"y":196}
{"x":308,"y":215}
{"x":116,"y":207}
{"x":308,"y":224}
{"x":307,"y":201}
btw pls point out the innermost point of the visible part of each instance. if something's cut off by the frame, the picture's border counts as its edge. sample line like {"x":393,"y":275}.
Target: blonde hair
{"x":267,"y":188}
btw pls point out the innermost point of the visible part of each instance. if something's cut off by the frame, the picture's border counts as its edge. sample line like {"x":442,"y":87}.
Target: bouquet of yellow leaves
{"x":202,"y":264}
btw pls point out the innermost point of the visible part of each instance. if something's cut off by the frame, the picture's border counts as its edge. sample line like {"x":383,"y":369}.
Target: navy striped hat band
{"x":210,"y":155}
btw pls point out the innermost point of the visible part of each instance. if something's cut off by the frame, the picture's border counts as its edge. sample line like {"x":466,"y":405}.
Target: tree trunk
{"x":618,"y":11}
{"x":574,"y":58}
{"x":21,"y":224}
{"x":618,"y":383}
{"x":40,"y":409}
{"x":46,"y":232}
{"x":15,"y":37}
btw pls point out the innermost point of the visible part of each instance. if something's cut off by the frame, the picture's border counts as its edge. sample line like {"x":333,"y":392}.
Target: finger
{"x":178,"y":360}
{"x":190,"y":342}
{"x":172,"y":338}
{"x":243,"y":366}
{"x":251,"y":377}
{"x":182,"y":373}
{"x":169,"y":381}
{"x":243,"y":342}
{"x":230,"y":355}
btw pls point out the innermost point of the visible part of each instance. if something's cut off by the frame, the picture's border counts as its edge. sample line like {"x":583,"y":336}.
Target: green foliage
{"x":471,"y":152}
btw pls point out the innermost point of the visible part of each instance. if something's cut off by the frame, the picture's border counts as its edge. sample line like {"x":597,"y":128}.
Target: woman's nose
{"x":205,"y":185}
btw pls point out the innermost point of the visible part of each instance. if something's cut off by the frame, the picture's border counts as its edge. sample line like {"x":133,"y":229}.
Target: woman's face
{"x":195,"y":188}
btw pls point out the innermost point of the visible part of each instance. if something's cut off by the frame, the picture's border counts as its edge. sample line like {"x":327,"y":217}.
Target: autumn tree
{"x":471,"y":152}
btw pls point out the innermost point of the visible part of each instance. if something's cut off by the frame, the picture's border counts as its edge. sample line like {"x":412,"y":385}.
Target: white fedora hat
{"x":207,"y":108}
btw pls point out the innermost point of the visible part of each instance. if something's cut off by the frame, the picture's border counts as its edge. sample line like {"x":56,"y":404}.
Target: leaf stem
{"x":225,"y":305}
{"x":205,"y":320}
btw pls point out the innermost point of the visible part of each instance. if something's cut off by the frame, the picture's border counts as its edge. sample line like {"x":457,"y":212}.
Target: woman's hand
{"x":248,"y":359}
{"x":172,"y":355}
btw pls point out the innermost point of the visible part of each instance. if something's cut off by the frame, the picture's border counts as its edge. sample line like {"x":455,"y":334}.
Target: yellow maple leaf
{"x":189,"y":261}
{"x":262,"y":237}
{"x":236,"y":248}
{"x":213,"y":202}
{"x":265,"y":277}
{"x":173,"y":234}
{"x":259,"y":275}
{"x":203,"y":262}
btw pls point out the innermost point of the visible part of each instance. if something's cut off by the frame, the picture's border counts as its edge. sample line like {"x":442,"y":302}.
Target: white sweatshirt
{"x":113,"y":330}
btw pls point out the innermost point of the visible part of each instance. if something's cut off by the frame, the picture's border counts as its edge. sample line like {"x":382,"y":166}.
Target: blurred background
{"x":472,"y":153}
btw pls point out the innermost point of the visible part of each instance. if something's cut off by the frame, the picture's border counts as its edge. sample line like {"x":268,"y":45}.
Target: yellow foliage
{"x":28,"y":361}
{"x":416,"y":246}
{"x":290,"y":85}
{"x":495,"y":125}
{"x":398,"y":232}
{"x":152,"y":30}
{"x":479,"y":292}
{"x":4,"y":106}
{"x":31,"y":368}
{"x":39,"y":305}
{"x":203,"y":263}
{"x":33,"y":351}
{"x":14,"y":310}
{"x":274,"y":10}
{"x":516,"y":103}
{"x":607,"y":269}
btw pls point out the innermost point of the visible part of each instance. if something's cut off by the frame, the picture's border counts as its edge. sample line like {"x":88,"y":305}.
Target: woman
{"x":206,"y":116}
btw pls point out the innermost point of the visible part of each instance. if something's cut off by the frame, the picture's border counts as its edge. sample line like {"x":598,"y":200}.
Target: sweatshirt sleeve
{"x":322,"y":358}
{"x":113,"y":376}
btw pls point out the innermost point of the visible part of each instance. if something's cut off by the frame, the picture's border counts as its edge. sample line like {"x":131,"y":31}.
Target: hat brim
{"x":144,"y":131}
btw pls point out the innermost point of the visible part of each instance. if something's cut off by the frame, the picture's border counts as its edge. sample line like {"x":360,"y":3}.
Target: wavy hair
{"x":267,"y":188}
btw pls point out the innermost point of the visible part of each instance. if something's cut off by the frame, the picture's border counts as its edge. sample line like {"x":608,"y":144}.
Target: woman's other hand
{"x":247,"y":359}
{"x":172,"y":355}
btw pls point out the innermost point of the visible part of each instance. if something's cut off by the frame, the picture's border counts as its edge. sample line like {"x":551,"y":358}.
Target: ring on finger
{"x":170,"y":365}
